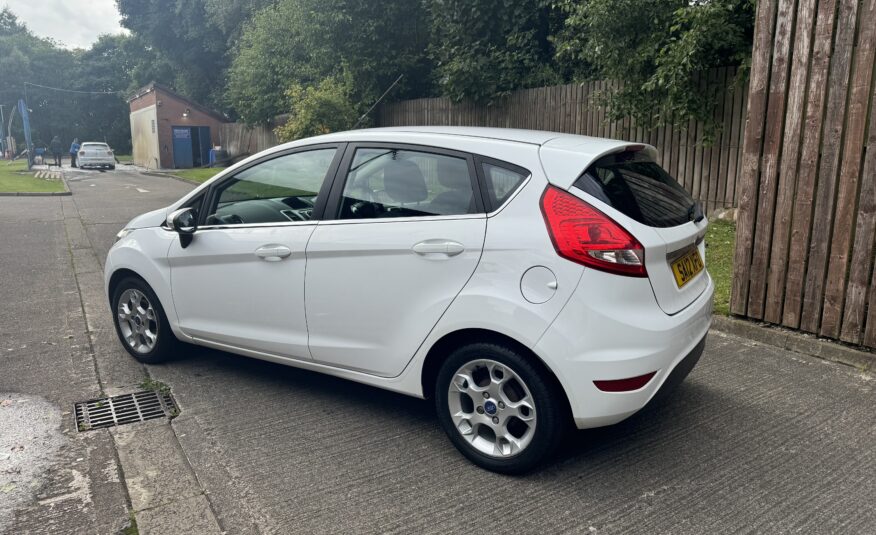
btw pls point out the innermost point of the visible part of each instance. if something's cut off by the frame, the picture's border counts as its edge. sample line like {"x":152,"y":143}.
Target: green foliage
{"x":270,"y":56}
{"x":486,"y":48}
{"x":320,"y":109}
{"x":152,"y":384}
{"x":25,"y":57}
{"x":720,"y":248}
{"x":186,"y":38}
{"x":306,"y":41}
{"x":114,"y":64}
{"x":658,"y":49}
{"x":257,"y":59}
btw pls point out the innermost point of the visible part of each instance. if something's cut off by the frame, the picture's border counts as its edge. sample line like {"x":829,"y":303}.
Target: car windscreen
{"x":637,"y":187}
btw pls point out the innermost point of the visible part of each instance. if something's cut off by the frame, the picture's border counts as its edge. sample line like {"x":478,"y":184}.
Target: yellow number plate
{"x":687,"y":267}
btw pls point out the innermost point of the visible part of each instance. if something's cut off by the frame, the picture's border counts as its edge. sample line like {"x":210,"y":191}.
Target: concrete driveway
{"x":757,"y":440}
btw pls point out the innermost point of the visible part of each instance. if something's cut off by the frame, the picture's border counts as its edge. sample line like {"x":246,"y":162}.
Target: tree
{"x":486,"y":48}
{"x":119,"y":64}
{"x":307,"y":41}
{"x":183,"y":34}
{"x":658,"y":49}
{"x":25,"y":57}
{"x":230,"y":15}
{"x":68,"y":106}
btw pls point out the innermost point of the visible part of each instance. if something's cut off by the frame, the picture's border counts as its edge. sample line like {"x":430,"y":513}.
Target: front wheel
{"x":140,"y":322}
{"x":500,"y":410}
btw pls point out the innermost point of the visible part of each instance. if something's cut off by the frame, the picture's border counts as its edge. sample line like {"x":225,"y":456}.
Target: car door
{"x":240,"y":282}
{"x":403,"y":233}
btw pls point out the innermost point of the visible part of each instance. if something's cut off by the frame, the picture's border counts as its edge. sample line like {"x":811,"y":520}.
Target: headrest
{"x":453,"y":174}
{"x":404,"y":182}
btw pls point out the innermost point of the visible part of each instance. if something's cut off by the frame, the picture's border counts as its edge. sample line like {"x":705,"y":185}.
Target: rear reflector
{"x":624,"y":385}
{"x":583,"y":234}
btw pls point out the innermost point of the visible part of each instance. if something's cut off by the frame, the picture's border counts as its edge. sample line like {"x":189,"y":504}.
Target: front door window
{"x":280,"y":190}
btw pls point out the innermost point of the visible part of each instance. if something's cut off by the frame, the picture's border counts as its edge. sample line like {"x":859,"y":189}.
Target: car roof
{"x":562,"y":156}
{"x":569,"y":154}
{"x":94,"y":143}
{"x":515,"y":135}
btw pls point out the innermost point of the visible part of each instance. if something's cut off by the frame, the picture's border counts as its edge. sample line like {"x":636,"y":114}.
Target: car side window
{"x":279,"y":190}
{"x":501,"y":183}
{"x":387,"y":183}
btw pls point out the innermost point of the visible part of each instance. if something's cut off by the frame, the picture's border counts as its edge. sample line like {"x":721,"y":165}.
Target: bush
{"x":321,"y":109}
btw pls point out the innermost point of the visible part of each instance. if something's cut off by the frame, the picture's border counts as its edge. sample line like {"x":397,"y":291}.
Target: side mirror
{"x":184,"y":222}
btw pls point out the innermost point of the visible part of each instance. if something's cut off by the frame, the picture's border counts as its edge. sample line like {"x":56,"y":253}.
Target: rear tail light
{"x":583,"y":234}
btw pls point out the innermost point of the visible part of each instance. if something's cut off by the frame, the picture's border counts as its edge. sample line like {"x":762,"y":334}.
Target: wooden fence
{"x":807,"y":209}
{"x":239,"y":139}
{"x":708,"y":172}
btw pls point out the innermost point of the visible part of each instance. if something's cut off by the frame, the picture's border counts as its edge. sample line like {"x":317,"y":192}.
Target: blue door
{"x":182,"y":147}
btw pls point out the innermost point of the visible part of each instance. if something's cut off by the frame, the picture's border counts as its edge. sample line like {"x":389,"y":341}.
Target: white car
{"x":525,"y":280}
{"x":95,"y":155}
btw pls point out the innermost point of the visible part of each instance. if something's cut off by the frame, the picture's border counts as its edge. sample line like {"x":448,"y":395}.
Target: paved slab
{"x":45,"y":356}
{"x":758,"y":439}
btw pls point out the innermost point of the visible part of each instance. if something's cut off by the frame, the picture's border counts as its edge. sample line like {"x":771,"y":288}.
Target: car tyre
{"x":525,"y":416}
{"x":141,"y":323}
{"x":112,"y":168}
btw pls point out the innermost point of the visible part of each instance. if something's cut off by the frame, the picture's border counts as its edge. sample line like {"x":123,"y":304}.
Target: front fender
{"x":144,"y":252}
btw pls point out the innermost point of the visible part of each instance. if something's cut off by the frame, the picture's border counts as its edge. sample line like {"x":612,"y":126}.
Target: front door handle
{"x":273,"y":253}
{"x":445,"y":247}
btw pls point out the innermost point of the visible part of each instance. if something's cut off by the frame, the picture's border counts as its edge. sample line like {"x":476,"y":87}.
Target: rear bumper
{"x":96,"y":162}
{"x":613,"y":329}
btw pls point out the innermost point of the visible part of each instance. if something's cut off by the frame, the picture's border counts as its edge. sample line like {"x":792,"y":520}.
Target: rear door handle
{"x":273,"y":253}
{"x":445,"y":247}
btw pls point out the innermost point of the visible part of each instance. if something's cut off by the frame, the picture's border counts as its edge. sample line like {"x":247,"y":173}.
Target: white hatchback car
{"x":96,"y":155}
{"x":524,"y":279}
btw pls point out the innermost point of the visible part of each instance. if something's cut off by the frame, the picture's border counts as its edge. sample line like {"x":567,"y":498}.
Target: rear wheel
{"x":499,"y":410}
{"x":140,"y":322}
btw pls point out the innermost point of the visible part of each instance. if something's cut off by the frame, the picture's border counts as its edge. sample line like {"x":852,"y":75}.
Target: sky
{"x":75,"y":24}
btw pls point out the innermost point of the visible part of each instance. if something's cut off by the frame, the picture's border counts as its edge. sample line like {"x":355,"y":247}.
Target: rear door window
{"x":636,"y":186}
{"x":390,"y":182}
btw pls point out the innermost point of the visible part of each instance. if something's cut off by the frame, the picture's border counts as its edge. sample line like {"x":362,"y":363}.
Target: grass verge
{"x":720,"y":247}
{"x":201,"y":174}
{"x":14,"y":178}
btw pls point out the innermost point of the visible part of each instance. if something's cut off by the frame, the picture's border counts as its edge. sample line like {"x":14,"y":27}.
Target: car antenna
{"x":364,"y":115}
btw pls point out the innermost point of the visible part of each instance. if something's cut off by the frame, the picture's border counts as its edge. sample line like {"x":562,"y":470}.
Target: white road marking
{"x":141,"y":190}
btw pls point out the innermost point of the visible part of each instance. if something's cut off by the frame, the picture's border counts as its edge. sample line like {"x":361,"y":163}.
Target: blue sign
{"x":25,"y":119}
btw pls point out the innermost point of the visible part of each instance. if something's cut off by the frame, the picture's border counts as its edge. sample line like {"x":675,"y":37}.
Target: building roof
{"x":153,"y":86}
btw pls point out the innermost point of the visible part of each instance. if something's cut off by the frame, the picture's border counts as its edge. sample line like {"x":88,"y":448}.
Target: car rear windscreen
{"x":636,"y":186}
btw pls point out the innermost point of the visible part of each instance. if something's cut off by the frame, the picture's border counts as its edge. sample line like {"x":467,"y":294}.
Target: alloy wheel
{"x":492,"y":408}
{"x":137,"y":321}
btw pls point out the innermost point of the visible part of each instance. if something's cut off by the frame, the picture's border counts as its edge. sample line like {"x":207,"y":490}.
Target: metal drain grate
{"x":124,"y":409}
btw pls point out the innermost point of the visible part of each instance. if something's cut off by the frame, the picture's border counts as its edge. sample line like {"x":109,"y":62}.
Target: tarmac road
{"x":757,"y":439}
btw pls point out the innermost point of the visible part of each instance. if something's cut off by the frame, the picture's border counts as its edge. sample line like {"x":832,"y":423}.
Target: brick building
{"x":169,"y":131}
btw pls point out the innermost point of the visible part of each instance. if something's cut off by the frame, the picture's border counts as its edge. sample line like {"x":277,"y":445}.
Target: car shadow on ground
{"x":672,"y":427}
